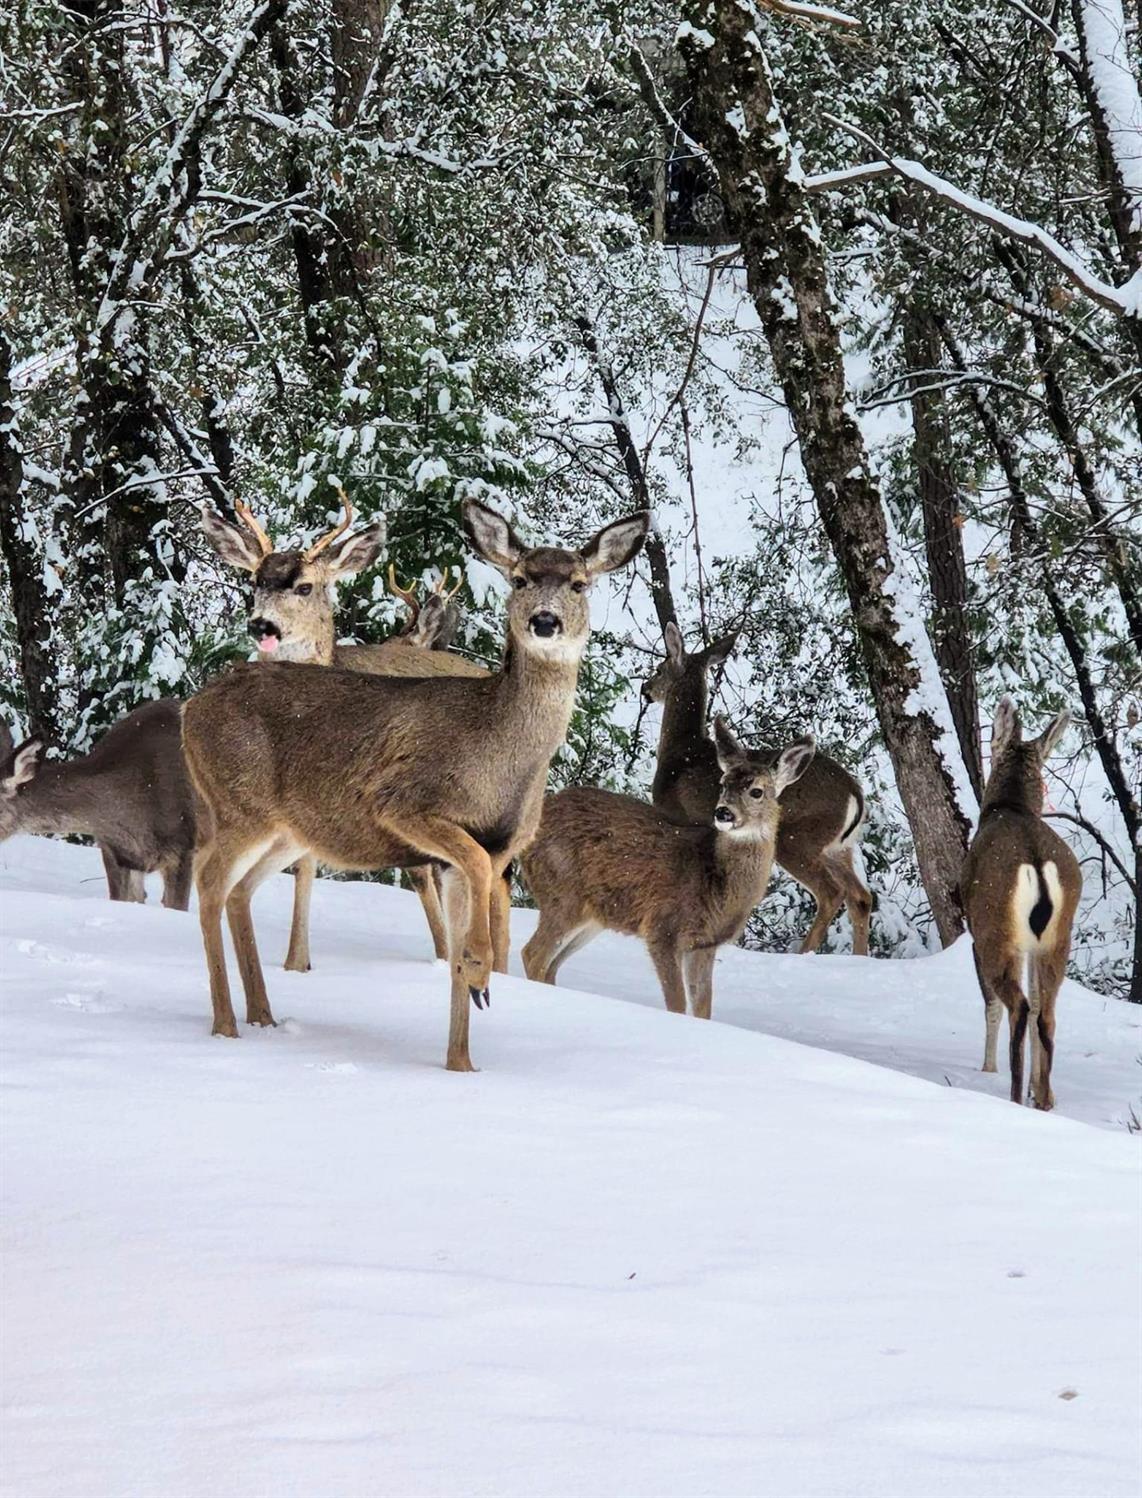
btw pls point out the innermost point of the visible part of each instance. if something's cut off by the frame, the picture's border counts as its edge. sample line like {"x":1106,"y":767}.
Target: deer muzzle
{"x":267,"y":636}
{"x":545,"y":624}
{"x":724,"y":818}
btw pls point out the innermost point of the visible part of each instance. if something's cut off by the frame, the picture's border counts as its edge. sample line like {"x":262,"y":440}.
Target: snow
{"x":635,"y":1255}
{"x":1116,"y":90}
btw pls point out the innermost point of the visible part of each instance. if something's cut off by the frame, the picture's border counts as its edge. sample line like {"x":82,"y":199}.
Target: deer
{"x":822,"y":816}
{"x":1020,"y":888}
{"x":292,"y":620}
{"x":603,"y":861}
{"x":130,"y":794}
{"x":368,"y":771}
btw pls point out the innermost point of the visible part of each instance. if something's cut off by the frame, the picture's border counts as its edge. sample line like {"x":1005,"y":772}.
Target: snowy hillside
{"x":634,"y":1255}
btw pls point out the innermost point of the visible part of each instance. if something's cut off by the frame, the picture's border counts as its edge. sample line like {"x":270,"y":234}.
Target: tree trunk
{"x":943,"y":535}
{"x":739,"y":123}
{"x":30,"y":605}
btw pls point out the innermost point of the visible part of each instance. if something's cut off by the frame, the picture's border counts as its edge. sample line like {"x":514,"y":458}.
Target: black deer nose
{"x":724,"y":817}
{"x":545,"y":624}
{"x":262,"y":628}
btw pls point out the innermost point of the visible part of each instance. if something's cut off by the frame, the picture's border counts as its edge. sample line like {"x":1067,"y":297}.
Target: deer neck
{"x":683,"y":718}
{"x":1007,"y":790}
{"x":534,"y":696}
{"x":743,"y":861}
{"x":60,"y":799}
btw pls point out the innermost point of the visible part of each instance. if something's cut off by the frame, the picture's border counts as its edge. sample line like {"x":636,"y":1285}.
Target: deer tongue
{"x":268,"y":644}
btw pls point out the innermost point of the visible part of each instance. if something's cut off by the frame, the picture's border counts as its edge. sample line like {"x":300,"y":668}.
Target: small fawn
{"x":1021,"y":887}
{"x":603,"y":861}
{"x":822,"y":817}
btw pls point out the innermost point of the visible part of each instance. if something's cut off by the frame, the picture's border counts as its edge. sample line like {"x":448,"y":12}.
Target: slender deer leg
{"x":812,"y":873}
{"x":547,"y":941}
{"x":575,"y":943}
{"x":278,"y":856}
{"x":213,"y":875}
{"x":456,"y":902}
{"x":500,"y":913}
{"x":177,"y":881}
{"x":123,"y":883}
{"x":856,"y":895}
{"x":664,"y":955}
{"x":297,"y":957}
{"x":1017,"y":1017}
{"x":698,"y":968}
{"x":423,"y":880}
{"x":993,"y":1009}
{"x":1049,"y":978}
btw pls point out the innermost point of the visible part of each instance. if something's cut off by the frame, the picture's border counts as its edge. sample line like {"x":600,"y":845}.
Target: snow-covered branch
{"x":1125,"y":301}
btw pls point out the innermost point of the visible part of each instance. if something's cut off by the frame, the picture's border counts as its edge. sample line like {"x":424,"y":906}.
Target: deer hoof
{"x":482,"y":998}
{"x":227,"y":1028}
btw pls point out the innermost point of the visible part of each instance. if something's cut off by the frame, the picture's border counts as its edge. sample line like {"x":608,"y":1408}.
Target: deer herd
{"x":407,"y":755}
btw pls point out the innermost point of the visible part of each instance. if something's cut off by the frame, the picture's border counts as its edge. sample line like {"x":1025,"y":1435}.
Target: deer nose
{"x":724,"y":817}
{"x":262,"y":629}
{"x":545,"y":624}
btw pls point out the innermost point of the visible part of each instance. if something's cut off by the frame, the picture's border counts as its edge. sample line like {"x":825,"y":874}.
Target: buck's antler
{"x":339,"y":529}
{"x":438,"y":586}
{"x":246,"y":516}
{"x":406,"y":595}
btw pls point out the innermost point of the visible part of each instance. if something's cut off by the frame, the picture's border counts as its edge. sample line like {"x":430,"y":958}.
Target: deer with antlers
{"x":822,"y":813}
{"x":1021,"y":886}
{"x":371,"y":772}
{"x":292,"y":619}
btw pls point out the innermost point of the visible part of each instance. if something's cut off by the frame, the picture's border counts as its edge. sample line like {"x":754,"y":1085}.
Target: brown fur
{"x":294,"y":596}
{"x":1018,"y":922}
{"x":368,"y":772}
{"x":131,"y":795}
{"x":607,"y":862}
{"x":822,"y":814}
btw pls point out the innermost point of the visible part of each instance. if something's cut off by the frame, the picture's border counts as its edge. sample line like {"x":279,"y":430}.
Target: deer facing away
{"x":603,"y":861}
{"x":131,"y":795}
{"x":822,"y":814}
{"x":292,"y":620}
{"x":373,"y":772}
{"x":1021,"y":885}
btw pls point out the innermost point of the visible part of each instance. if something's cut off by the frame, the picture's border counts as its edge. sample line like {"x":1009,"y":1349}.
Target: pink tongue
{"x":268,"y":644}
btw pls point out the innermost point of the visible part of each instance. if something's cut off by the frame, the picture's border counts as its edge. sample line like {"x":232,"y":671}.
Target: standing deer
{"x":130,"y":795}
{"x":372,"y":772}
{"x":603,"y":861}
{"x":821,"y":817}
{"x":292,"y":620}
{"x":1021,"y":887}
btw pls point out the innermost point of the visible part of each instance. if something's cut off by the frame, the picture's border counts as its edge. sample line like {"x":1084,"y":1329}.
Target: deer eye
{"x":757,"y":793}
{"x":578,"y":587}
{"x":519,"y":582}
{"x":303,"y":590}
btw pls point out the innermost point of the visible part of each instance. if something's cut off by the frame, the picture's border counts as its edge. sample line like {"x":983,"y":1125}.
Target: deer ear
{"x":616,"y":544}
{"x":358,"y":551}
{"x":1006,"y":729}
{"x":793,"y":762}
{"x":720,"y":650}
{"x":672,"y":637}
{"x":233,"y":543}
{"x":21,"y":769}
{"x":1051,"y":735}
{"x":491,"y":535}
{"x":730,"y":750}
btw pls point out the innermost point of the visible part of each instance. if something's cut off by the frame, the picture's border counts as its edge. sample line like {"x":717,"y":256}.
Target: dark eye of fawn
{"x":303,"y":590}
{"x":519,"y":582}
{"x":756,"y":793}
{"x":578,"y":587}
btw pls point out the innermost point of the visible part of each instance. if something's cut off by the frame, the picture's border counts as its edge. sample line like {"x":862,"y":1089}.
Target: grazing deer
{"x":130,"y":795}
{"x":607,"y":862}
{"x":373,"y":772}
{"x":821,"y":817}
{"x":1021,"y":887}
{"x":292,"y":620}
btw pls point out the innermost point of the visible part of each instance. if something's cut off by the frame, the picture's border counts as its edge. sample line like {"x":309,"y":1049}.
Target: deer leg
{"x":214,"y":867}
{"x":856,"y":895}
{"x":698,"y":969}
{"x":576,"y":941}
{"x":664,"y":955}
{"x":297,"y":957}
{"x":1017,"y":1017}
{"x":456,"y":901}
{"x":278,"y":856}
{"x":1047,"y":979}
{"x":827,"y":894}
{"x":540,"y":953}
{"x":423,"y":880}
{"x":501,"y":912}
{"x":993,"y":1008}
{"x":177,"y":880}
{"x":123,"y":884}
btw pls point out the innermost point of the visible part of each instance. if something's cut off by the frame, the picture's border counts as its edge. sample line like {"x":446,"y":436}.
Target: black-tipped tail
{"x":1042,"y":910}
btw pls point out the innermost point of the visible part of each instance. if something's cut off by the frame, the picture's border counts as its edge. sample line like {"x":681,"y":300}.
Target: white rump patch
{"x":1024,"y":899}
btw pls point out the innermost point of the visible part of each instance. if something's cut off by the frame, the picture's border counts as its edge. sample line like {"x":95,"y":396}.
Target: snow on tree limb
{"x":1114,"y":99}
{"x":1125,"y":301}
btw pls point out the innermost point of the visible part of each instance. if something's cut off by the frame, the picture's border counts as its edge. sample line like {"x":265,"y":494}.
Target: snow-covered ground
{"x":634,"y":1255}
